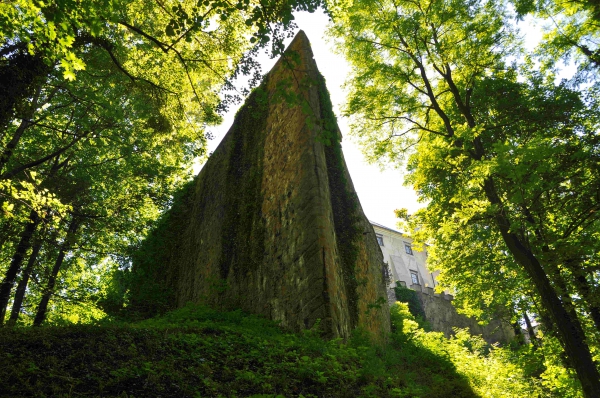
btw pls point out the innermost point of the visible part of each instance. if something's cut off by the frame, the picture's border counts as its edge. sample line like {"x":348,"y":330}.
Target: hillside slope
{"x":199,"y":352}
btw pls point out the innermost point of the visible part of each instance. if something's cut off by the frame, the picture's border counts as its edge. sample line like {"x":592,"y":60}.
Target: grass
{"x":199,"y":352}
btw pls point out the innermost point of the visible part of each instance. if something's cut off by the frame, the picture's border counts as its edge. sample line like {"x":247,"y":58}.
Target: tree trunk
{"x":12,"y":144}
{"x":532,"y":337}
{"x":22,"y":286}
{"x":25,"y":123}
{"x":585,"y":291}
{"x":518,"y":333}
{"x":42,"y":309}
{"x":15,"y":264}
{"x":561,"y":289}
{"x":568,"y":327}
{"x":5,"y":233}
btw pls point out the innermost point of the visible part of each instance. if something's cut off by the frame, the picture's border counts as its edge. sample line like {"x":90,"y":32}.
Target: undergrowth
{"x":198,"y":352}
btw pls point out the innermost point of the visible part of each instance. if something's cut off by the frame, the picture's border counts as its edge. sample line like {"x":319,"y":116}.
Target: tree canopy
{"x":103,"y":106}
{"x":505,"y":157}
{"x":104,"y":103}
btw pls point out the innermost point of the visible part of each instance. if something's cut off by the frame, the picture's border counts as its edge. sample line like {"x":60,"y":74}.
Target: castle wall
{"x":272,"y":224}
{"x":442,"y":316}
{"x":406,"y":265}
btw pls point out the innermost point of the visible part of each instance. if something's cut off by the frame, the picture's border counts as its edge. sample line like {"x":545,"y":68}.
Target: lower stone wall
{"x":443,"y":317}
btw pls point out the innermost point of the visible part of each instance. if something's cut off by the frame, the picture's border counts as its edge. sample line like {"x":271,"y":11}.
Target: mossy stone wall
{"x":443,"y":317}
{"x":272,"y":224}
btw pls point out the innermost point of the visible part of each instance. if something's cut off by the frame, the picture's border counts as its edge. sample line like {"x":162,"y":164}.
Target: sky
{"x":380,"y":191}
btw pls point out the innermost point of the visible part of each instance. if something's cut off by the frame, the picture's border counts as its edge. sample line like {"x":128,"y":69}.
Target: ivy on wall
{"x":243,"y":233}
{"x":141,"y":289}
{"x":409,"y":296}
{"x":343,"y":201}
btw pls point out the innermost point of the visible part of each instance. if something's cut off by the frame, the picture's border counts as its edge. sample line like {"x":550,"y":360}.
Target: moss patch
{"x":409,"y":296}
{"x":243,"y":230}
{"x":343,"y":202}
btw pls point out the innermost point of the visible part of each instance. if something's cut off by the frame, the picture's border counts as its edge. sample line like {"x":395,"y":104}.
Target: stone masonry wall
{"x":442,"y":316}
{"x":272,"y":224}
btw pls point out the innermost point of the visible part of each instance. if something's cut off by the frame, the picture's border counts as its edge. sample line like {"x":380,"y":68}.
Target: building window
{"x":415,"y":278}
{"x":408,"y":248}
{"x":379,"y":239}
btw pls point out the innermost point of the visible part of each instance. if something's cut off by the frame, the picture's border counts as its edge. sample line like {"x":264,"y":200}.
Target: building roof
{"x":406,"y":236}
{"x":384,"y":227}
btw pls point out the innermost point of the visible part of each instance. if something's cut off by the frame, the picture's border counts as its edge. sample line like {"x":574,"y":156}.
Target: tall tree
{"x":22,"y":286}
{"x":16,"y":261}
{"x":499,"y":155}
{"x":69,"y":239}
{"x":108,"y":106}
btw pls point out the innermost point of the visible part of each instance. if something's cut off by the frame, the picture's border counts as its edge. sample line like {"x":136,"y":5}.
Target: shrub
{"x":198,"y":352}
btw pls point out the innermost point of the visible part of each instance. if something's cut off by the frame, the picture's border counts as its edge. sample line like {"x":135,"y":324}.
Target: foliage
{"x":505,"y":158}
{"x":553,"y":373}
{"x":410,"y":297}
{"x":491,"y":371}
{"x":344,"y":201}
{"x":196,"y":351}
{"x":144,"y":287}
{"x":571,"y":33}
{"x":144,"y":293}
{"x":54,"y":29}
{"x":103,"y":106}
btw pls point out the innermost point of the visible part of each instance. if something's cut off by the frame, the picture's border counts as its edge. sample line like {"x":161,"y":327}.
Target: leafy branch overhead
{"x":505,"y":158}
{"x":103,"y":106}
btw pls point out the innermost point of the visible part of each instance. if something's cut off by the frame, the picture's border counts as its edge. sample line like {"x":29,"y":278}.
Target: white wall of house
{"x":409,"y":266}
{"x":405,"y":263}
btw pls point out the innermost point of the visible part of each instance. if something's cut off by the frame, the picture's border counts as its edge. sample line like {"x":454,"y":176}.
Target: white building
{"x":406,"y":265}
{"x":409,"y":267}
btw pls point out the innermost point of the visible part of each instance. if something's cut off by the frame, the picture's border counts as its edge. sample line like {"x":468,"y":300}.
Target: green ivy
{"x":343,"y":200}
{"x":141,"y":289}
{"x":147,"y":287}
{"x":409,"y":296}
{"x":242,"y":235}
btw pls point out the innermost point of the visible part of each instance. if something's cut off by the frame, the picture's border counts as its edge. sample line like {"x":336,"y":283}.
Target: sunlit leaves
{"x":500,"y":154}
{"x":393,"y":44}
{"x":571,"y":33}
{"x":51,"y":27}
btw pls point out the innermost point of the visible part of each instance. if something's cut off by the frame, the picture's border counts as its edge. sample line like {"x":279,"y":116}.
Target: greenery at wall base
{"x":198,"y":352}
{"x":409,"y":296}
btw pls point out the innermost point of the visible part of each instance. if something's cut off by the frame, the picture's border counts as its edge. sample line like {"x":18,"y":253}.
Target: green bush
{"x":409,"y":296}
{"x":198,"y":352}
{"x":491,"y":371}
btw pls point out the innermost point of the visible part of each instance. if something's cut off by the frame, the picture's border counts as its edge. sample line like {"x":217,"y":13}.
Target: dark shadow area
{"x":196,"y":351}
